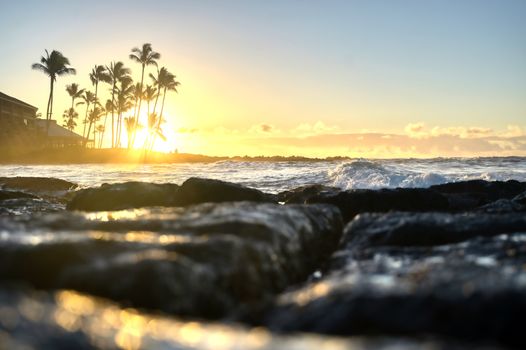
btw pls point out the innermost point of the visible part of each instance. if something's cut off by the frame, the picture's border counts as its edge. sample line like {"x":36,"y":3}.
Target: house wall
{"x":17,"y":125}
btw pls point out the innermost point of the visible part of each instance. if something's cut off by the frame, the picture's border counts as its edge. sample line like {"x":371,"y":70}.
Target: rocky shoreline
{"x":439,"y":267}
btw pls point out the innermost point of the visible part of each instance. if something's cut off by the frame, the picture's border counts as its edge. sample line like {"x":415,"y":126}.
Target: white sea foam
{"x":278,"y":176}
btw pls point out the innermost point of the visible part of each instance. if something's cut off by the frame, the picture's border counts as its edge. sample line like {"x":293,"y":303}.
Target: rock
{"x":142,"y":194}
{"x":70,"y":320}
{"x":502,"y":206}
{"x":123,"y":196}
{"x":458,"y":276}
{"x":302,"y":194}
{"x":354,"y":202}
{"x":203,"y":261}
{"x":21,"y":206}
{"x":36,"y":184}
{"x":521,"y":198}
{"x":197,"y":190}
{"x":427,"y":229}
{"x":480,"y":192}
{"x":4,"y":195}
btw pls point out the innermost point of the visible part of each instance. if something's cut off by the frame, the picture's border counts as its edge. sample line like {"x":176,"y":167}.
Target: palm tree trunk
{"x":136,"y":119}
{"x":159,"y":121}
{"x":112,"y":114}
{"x":103,"y":131}
{"x":49,"y":107}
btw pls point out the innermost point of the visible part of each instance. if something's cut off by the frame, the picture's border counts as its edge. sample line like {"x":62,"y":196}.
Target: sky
{"x":376,"y":78}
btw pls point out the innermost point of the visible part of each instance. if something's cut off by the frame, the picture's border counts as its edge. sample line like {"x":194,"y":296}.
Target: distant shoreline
{"x":125,"y":156}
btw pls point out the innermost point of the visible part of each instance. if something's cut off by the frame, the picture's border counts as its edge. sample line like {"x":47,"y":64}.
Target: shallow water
{"x":278,"y":176}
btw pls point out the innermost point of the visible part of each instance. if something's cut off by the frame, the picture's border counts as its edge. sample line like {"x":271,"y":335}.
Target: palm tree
{"x":145,"y":57}
{"x":98,"y":74}
{"x":94,"y":116}
{"x":100,"y":129}
{"x":109,"y":106}
{"x":149,"y":95}
{"x":164,"y":81}
{"x":117,"y":72}
{"x":88,"y":98}
{"x":74,"y":92}
{"x":69,"y":119}
{"x":124,"y":103}
{"x":53,"y":65}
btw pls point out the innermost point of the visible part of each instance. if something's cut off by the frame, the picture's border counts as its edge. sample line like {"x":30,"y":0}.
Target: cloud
{"x":263,"y":129}
{"x":316,"y":128}
{"x":415,"y":130}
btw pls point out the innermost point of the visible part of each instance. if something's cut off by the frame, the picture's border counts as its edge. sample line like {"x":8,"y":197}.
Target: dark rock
{"x":302,"y":194}
{"x":485,"y":191}
{"x":123,"y":196}
{"x":197,"y":190}
{"x":20,"y":206}
{"x":521,"y":198}
{"x":457,"y":276}
{"x":36,"y":184}
{"x":354,"y":202}
{"x":4,"y":195}
{"x":427,"y":229}
{"x":502,"y":206}
{"x":204,"y":261}
{"x":67,"y":320}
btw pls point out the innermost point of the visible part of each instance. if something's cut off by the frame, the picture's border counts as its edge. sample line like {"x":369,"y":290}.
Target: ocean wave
{"x":372,"y":175}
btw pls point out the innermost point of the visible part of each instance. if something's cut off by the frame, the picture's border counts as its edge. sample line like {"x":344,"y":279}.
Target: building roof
{"x":16,"y":101}
{"x":56,"y":130}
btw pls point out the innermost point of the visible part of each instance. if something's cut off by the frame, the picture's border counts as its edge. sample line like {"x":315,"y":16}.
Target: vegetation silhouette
{"x":126,"y":98}
{"x":53,"y":65}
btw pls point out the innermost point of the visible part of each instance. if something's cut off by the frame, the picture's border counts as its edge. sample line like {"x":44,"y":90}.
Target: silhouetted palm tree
{"x":117,"y":72}
{"x":109,"y":106}
{"x":145,"y":57}
{"x":149,"y":95}
{"x":124,"y":103}
{"x":53,"y":65}
{"x":69,"y":119}
{"x":88,"y":98}
{"x":165,"y":81}
{"x":74,"y":92}
{"x":95,"y":114}
{"x":100,"y":129}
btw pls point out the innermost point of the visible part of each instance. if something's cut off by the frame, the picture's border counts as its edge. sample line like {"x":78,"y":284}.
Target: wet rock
{"x":198,"y":190}
{"x":123,"y":196}
{"x":466,"y":195}
{"x":521,"y":198}
{"x":69,"y":320}
{"x":204,"y":261}
{"x":37,"y":184}
{"x":502,"y":206}
{"x":302,"y":194}
{"x":4,"y":195}
{"x":20,"y":206}
{"x":457,"y":276}
{"x":354,"y":202}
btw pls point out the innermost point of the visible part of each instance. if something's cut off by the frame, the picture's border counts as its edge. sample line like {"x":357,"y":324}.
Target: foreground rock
{"x":197,"y":190}
{"x":123,"y":196}
{"x":354,"y":202}
{"x":142,"y":194}
{"x":4,"y":195}
{"x":204,"y":261}
{"x":36,"y":184}
{"x":458,"y":276}
{"x":68,"y":320}
{"x":468,"y":195}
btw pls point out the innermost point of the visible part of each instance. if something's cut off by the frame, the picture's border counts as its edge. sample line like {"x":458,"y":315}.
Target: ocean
{"x":274,"y":177}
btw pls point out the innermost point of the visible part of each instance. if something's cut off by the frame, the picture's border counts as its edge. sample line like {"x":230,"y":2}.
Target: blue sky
{"x":374,"y":65}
